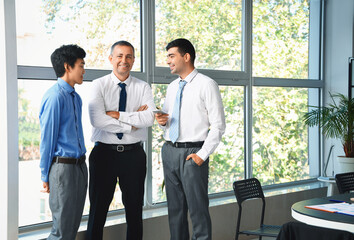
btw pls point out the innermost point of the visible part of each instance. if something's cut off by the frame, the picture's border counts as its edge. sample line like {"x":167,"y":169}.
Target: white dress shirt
{"x":105,"y":97}
{"x":202,"y":116}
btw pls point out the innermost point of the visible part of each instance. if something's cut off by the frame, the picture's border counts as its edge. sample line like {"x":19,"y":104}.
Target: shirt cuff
{"x":124,"y":116}
{"x":44,"y":178}
{"x":126,"y":129}
{"x":202,"y":154}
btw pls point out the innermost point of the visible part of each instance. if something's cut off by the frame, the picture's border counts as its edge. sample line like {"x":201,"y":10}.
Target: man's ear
{"x":66,"y":66}
{"x":110,"y":57}
{"x":187,"y":57}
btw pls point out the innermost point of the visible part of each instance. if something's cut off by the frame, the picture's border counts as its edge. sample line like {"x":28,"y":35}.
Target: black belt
{"x":186,"y":144}
{"x":69,"y":160}
{"x":119,"y":147}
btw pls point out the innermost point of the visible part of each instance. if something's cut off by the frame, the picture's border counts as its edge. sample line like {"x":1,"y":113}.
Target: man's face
{"x":77,"y":72}
{"x":122,"y":60}
{"x":175,"y":61}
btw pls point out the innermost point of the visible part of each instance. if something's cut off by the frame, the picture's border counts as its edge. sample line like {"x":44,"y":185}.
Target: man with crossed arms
{"x":120,"y":112}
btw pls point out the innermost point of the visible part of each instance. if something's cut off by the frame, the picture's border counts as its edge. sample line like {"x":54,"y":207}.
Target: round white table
{"x":321,"y":218}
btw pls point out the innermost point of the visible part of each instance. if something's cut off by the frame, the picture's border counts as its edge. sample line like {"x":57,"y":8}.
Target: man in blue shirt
{"x":62,"y":148}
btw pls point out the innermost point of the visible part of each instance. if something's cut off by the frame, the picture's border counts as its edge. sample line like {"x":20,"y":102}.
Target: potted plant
{"x":336,"y":121}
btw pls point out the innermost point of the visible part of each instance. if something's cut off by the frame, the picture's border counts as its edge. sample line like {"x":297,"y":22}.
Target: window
{"x":158,"y":191}
{"x":265,"y":136}
{"x":30,"y":184}
{"x":280,"y":137}
{"x":93,"y":25}
{"x":286,"y":54}
{"x":213,"y":26}
{"x":227,"y":162}
{"x":281,"y":38}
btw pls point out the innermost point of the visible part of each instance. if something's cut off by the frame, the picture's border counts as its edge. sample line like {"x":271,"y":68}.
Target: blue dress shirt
{"x":61,"y":127}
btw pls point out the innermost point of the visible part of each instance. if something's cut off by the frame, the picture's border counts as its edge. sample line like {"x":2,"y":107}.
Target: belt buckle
{"x":120,"y":148}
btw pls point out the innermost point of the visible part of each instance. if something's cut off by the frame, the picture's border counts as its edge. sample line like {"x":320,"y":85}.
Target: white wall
{"x":338,"y":47}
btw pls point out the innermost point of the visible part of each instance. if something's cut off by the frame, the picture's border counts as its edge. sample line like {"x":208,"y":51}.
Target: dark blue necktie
{"x":122,"y":103}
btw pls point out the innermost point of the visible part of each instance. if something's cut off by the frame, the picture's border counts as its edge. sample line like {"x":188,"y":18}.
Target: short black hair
{"x":184,"y":46}
{"x":122,"y":43}
{"x":66,"y":54}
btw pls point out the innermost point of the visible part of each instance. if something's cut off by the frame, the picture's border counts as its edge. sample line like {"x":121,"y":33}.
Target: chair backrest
{"x":345,"y":182}
{"x":247,"y":189}
{"x":244,"y":190}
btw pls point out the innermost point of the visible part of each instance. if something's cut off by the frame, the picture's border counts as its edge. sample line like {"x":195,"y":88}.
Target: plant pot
{"x":346,"y":164}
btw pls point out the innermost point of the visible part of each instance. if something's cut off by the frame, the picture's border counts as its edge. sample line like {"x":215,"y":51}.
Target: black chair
{"x":252,"y":189}
{"x":300,"y":231}
{"x":345,"y":182}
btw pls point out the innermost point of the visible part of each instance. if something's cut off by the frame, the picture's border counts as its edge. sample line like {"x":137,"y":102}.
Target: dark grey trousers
{"x":186,"y":189}
{"x":68,"y":186}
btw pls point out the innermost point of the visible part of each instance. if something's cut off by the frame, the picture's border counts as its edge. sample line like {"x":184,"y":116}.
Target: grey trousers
{"x":186,"y":189}
{"x":68,"y":186}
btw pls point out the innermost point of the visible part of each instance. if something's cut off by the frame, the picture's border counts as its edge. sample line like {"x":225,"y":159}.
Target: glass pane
{"x":158,"y":191}
{"x":30,"y":93}
{"x":281,"y":38}
{"x":226,"y":163}
{"x":214,"y":28}
{"x":280,"y":137}
{"x":44,"y":25}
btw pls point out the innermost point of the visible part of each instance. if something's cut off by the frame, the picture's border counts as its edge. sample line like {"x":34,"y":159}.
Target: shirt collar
{"x":190,"y":76}
{"x":65,"y":86}
{"x":116,"y":80}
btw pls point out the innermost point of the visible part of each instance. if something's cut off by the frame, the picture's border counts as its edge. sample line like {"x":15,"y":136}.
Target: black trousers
{"x":106,"y":165}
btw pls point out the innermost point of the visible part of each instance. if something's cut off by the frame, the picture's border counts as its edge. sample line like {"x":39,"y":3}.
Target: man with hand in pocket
{"x":194,"y":125}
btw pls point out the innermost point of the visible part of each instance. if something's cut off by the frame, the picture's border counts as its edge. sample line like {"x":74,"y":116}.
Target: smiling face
{"x":122,"y":60}
{"x":175,"y":60}
{"x":180,"y":65}
{"x":75,"y":75}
